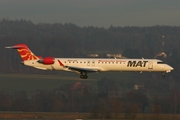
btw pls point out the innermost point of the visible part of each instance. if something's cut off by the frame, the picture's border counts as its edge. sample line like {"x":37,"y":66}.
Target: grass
{"x":30,"y":83}
{"x":42,"y":115}
{"x":25,"y":115}
{"x":12,"y":83}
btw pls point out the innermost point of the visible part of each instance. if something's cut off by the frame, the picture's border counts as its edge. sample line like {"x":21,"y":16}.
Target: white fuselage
{"x":101,"y":65}
{"x":83,"y":66}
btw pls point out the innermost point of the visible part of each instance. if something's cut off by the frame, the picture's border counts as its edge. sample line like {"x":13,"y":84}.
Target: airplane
{"x":82,"y":66}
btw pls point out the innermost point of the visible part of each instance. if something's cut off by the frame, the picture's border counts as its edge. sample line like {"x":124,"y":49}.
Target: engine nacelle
{"x":47,"y":60}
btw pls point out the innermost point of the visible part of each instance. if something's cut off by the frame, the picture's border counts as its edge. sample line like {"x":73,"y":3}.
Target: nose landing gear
{"x":163,"y":74}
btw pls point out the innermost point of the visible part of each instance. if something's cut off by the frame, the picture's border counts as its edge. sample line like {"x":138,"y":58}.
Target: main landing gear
{"x":83,"y":75}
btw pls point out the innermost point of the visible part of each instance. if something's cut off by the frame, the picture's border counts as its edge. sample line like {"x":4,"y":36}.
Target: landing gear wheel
{"x":83,"y":76}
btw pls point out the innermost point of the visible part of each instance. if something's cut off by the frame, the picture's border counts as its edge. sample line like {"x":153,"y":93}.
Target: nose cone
{"x":169,"y":68}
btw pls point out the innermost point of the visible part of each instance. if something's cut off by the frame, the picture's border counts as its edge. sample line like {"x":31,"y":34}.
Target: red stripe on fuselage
{"x":60,"y":63}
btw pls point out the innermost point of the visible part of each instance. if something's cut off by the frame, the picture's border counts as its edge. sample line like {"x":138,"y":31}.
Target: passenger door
{"x":150,"y":65}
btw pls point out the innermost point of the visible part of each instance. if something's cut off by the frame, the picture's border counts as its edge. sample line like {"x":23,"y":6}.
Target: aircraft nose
{"x":169,"y":68}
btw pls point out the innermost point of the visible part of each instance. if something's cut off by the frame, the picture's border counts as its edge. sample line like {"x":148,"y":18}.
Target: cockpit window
{"x":160,"y":62}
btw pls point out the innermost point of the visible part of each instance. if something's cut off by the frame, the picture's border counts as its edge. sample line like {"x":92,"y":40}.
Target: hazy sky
{"x":100,"y":13}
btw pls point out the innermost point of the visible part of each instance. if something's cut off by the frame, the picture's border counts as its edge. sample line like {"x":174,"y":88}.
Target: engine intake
{"x":46,"y":60}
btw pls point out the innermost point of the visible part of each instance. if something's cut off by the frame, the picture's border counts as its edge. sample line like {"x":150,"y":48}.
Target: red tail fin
{"x":24,"y":52}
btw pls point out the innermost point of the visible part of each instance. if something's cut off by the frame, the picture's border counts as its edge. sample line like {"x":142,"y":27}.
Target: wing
{"x":79,"y":69}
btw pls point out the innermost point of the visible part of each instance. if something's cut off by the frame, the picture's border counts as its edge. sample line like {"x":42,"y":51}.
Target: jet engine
{"x":46,"y":60}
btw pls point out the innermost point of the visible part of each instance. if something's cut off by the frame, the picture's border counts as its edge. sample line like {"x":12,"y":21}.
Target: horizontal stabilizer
{"x":15,"y":47}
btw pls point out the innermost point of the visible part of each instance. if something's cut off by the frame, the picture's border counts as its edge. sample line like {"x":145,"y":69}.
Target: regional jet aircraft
{"x":82,"y":66}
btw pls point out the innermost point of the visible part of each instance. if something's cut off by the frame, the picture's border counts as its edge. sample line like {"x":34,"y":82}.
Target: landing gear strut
{"x":163,"y":74}
{"x":83,"y":75}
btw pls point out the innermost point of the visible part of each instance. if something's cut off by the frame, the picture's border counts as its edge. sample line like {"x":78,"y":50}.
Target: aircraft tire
{"x":83,"y":76}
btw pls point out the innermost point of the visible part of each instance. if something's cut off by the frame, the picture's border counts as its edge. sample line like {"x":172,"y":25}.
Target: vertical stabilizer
{"x":24,"y":52}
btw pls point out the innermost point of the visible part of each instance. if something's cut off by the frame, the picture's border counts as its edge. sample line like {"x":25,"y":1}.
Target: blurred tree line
{"x":69,"y":40}
{"x":80,"y":97}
